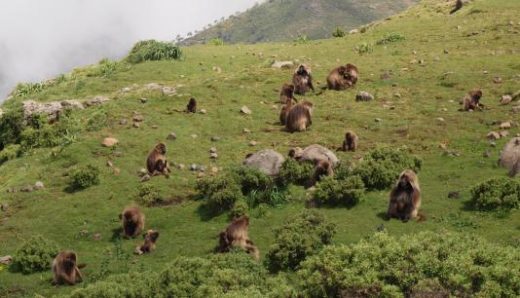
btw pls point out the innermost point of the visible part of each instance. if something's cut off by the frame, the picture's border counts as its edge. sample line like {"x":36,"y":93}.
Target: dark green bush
{"x":294,"y":172}
{"x":219,"y":193}
{"x":34,"y":255}
{"x":40,"y":134}
{"x":252,"y":179}
{"x":389,"y":38}
{"x":381,"y":167}
{"x":338,"y":33}
{"x":11,"y":127}
{"x":153,"y":50}
{"x":385,"y":266}
{"x":148,"y":195}
{"x":9,"y":152}
{"x":301,"y":236}
{"x":84,"y":177}
{"x":495,"y":193}
{"x":347,"y":192}
{"x":239,"y":208}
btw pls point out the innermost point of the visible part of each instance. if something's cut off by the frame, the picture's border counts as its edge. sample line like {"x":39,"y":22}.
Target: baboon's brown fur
{"x":65,"y":269}
{"x":343,"y":77}
{"x":287,"y":93}
{"x":150,"y":238}
{"x":157,"y":163}
{"x":302,"y":80}
{"x":192,"y":106}
{"x":299,"y":117}
{"x":133,"y":221}
{"x":351,"y":141}
{"x":236,"y":235}
{"x":472,"y":100}
{"x":405,"y":197}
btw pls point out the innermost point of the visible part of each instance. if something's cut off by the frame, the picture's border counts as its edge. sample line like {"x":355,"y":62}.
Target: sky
{"x":40,"y":39}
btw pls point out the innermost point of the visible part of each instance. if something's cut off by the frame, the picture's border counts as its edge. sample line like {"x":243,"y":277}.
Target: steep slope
{"x":417,"y":81}
{"x":278,"y":20}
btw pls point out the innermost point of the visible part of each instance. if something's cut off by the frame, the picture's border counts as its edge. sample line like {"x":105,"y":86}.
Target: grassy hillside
{"x":415,"y":81}
{"x":282,"y":20}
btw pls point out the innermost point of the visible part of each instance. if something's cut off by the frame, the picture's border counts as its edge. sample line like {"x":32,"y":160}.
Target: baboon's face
{"x":405,"y":181}
{"x":477,"y":95}
{"x":342,"y":70}
{"x":161,"y":148}
{"x":151,"y":236}
{"x":302,"y":71}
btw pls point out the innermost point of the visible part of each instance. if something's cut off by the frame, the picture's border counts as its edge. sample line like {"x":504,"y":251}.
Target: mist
{"x":40,"y":39}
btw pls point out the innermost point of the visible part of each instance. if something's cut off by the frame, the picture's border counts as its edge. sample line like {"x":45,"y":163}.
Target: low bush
{"x":496,"y":193}
{"x":219,"y":193}
{"x":153,"y":50}
{"x":10,"y":152}
{"x":389,"y":38}
{"x":216,"y":41}
{"x":239,"y":208}
{"x":346,"y":192}
{"x":381,"y":167}
{"x":148,"y":195}
{"x":364,"y":48}
{"x":338,"y":33}
{"x":426,"y":264}
{"x":11,"y":127}
{"x":301,"y":236}
{"x":294,"y":172}
{"x":84,"y":177}
{"x":35,"y":255}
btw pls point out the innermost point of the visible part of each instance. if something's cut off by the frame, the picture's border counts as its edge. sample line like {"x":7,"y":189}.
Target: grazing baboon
{"x":150,"y":238}
{"x":133,"y":222}
{"x":236,"y":235}
{"x":192,"y":106}
{"x":405,"y":197}
{"x":510,"y":157}
{"x":285,"y":110}
{"x":351,"y":141}
{"x":458,"y":6}
{"x":471,"y":101}
{"x":299,"y":117}
{"x":65,"y":269}
{"x":343,"y":77}
{"x":157,"y":163}
{"x":302,"y":80}
{"x":287,"y":93}
{"x":322,"y":168}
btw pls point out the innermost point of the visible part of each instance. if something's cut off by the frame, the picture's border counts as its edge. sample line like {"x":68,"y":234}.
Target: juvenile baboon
{"x":157,"y":163}
{"x":65,"y":269}
{"x":287,"y":93}
{"x":351,"y":141}
{"x":285,"y":110}
{"x":302,"y":80}
{"x":322,"y":168}
{"x":192,"y":106}
{"x":405,"y":197}
{"x":150,"y":238}
{"x":510,"y":157}
{"x":236,"y":235}
{"x":343,"y":77}
{"x":299,"y":117}
{"x":133,"y":222}
{"x":458,"y":6}
{"x":472,"y":101}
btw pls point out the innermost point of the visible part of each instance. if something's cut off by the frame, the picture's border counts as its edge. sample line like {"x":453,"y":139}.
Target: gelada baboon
{"x":133,"y":222}
{"x":471,"y":101}
{"x":302,"y":80}
{"x":299,"y":117}
{"x":458,"y":6}
{"x":322,"y":168}
{"x":157,"y":163}
{"x":192,"y":106}
{"x":150,"y":238}
{"x":343,"y":77}
{"x":405,"y":197}
{"x":65,"y":269}
{"x":351,"y":141}
{"x":510,"y":157}
{"x":236,"y":235}
{"x":285,"y":110}
{"x":287,"y":93}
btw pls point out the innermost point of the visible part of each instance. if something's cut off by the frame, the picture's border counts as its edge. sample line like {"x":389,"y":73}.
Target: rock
{"x":202,"y":168}
{"x":364,"y":96}
{"x":212,"y":150}
{"x":440,"y":119}
{"x":487,"y":154}
{"x":266,"y":161}
{"x":505,"y":125}
{"x":283,"y":64}
{"x":217,"y":69}
{"x":6,"y":260}
{"x":145,"y":178}
{"x":455,"y":195}
{"x":4,"y":207}
{"x":497,"y":80}
{"x":201,"y":175}
{"x":313,"y":153}
{"x":510,"y":157}
{"x":109,"y":142}
{"x":138,"y":118}
{"x":169,"y":91}
{"x":397,"y":95}
{"x":214,"y":170}
{"x":213,"y":155}
{"x":181,"y":166}
{"x":503,"y":133}
{"x":493,"y":136}
{"x":50,"y":109}
{"x":506,"y":99}
{"x":155,"y":126}
{"x":215,"y":139}
{"x":123,"y":122}
{"x":172,"y":136}
{"x":245,"y":110}
{"x":153,"y":86}
{"x":144,"y":100}
{"x":72,"y":104}
{"x":98,"y":100}
{"x":203,"y":111}
{"x":39,"y":185}
{"x":516,"y":109}
{"x":110,"y":164}
{"x":492,"y":144}
{"x":96,"y":236}
{"x":245,"y":130}
{"x":194,"y":136}
{"x":378,"y":120}
{"x":353,"y":31}
{"x":116,"y":171}
{"x":136,"y":125}
{"x":253,"y":143}
{"x":194,"y":167}
{"x":516,"y":95}
{"x":142,"y":172}
{"x":446,"y":51}
{"x":27,"y":188}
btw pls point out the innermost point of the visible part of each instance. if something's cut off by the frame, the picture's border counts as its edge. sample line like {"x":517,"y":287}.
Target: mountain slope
{"x":278,"y":20}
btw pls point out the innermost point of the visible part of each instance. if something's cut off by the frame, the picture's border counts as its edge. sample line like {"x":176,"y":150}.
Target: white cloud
{"x":42,"y":38}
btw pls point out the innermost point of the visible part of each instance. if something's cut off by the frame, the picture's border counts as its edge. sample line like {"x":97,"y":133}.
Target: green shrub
{"x":495,"y":193}
{"x":427,"y":262}
{"x":381,"y":167}
{"x":364,"y":48}
{"x":97,"y":121}
{"x":152,"y":50}
{"x":389,"y":38}
{"x":23,"y":90}
{"x":252,"y":179}
{"x":106,"y":68}
{"x":239,"y":208}
{"x":84,"y":177}
{"x":11,"y":127}
{"x":148,"y":195}
{"x":216,"y":41}
{"x":40,"y":134}
{"x":333,"y":192}
{"x":301,"y":236}
{"x":34,"y":255}
{"x":338,"y":33}
{"x":10,"y":152}
{"x":301,"y":39}
{"x":219,"y":193}
{"x":294,"y":172}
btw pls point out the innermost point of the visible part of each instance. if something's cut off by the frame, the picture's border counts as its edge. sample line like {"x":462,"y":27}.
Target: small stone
{"x":213,"y":155}
{"x":378,"y":120}
{"x":203,"y":111}
{"x":27,"y":188}
{"x":144,"y":99}
{"x":145,"y":178}
{"x":214,"y":170}
{"x":194,"y":167}
{"x":215,"y":139}
{"x":201,"y":175}
{"x":493,"y":136}
{"x":516,"y":109}
{"x":202,"y":168}
{"x":364,"y":96}
{"x":283,"y":64}
{"x":138,"y":118}
{"x":505,"y":125}
{"x":96,"y":236}
{"x":172,"y":136}
{"x":497,"y":80}
{"x":503,"y":133}
{"x":39,"y":185}
{"x":142,"y":172}
{"x":440,"y":119}
{"x":446,"y":51}
{"x":253,"y":143}
{"x":155,"y":126}
{"x":454,"y":195}
{"x":444,"y":109}
{"x":123,"y":122}
{"x":492,"y":144}
{"x":397,"y":95}
{"x":245,"y":110}
{"x":487,"y":154}
{"x":194,"y":136}
{"x":181,"y":166}
{"x":136,"y":125}
{"x":116,"y":171}
{"x":506,"y":99}
{"x":6,"y":260}
{"x":212,"y":150}
{"x":109,"y":142}
{"x":110,"y":164}
{"x":245,"y":130}
{"x":4,"y":207}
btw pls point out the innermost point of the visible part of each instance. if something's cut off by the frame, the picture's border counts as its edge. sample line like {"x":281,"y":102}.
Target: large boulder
{"x":314,"y":153}
{"x":50,"y":109}
{"x":267,"y":161}
{"x":510,"y":157}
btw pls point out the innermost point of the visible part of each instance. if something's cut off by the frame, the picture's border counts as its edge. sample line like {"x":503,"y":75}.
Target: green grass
{"x":428,"y":30}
